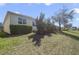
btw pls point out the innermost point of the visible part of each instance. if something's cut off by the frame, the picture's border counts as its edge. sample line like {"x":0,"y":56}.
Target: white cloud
{"x":48,"y":4}
{"x":2,"y":4}
{"x":17,"y":12}
{"x":76,"y":10}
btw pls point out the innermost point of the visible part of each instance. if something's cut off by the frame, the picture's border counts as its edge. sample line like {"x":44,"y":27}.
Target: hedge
{"x":20,"y":29}
{"x":3,"y":34}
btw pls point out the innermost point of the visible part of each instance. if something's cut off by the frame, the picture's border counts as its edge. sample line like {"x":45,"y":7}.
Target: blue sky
{"x":35,"y":9}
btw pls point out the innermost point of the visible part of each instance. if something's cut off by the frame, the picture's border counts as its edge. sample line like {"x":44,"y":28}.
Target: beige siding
{"x":6,"y":25}
{"x":14,"y":20}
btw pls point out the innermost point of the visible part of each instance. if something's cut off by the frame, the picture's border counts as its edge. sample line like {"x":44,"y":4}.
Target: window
{"x":24,"y":21}
{"x":19,"y":21}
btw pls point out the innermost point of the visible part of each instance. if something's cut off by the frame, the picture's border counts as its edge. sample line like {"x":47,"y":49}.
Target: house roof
{"x":19,"y":14}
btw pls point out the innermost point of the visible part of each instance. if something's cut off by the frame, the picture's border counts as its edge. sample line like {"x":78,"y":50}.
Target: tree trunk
{"x":59,"y":26}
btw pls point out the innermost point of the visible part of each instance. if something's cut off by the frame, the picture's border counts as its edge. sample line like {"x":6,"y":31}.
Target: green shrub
{"x":20,"y":29}
{"x":3,"y":34}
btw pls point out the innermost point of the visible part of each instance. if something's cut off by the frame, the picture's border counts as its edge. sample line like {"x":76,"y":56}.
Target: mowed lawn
{"x":56,"y":44}
{"x":72,"y":32}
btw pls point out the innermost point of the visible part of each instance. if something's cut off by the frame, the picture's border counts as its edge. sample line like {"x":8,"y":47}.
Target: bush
{"x":3,"y":34}
{"x":20,"y":29}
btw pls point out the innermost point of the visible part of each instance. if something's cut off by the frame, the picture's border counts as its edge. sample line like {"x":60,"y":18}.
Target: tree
{"x":63,"y":17}
{"x":57,"y":19}
{"x":54,"y":20}
{"x":68,"y":16}
{"x":49,"y":25}
{"x":40,"y":23}
{"x":44,"y":25}
{"x":69,"y":26}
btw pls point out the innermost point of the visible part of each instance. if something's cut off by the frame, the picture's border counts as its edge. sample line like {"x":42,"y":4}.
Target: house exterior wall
{"x":6,"y":25}
{"x":14,"y":20}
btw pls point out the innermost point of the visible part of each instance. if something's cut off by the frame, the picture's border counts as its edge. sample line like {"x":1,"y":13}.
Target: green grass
{"x":6,"y":44}
{"x":73,"y":33}
{"x":55,"y":44}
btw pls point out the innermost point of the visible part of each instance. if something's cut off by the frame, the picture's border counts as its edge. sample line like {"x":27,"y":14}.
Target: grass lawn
{"x":72,"y":33}
{"x":76,"y":32}
{"x":54,"y":44}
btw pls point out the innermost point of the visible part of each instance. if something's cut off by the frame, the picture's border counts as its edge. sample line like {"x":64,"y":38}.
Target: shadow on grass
{"x":70,"y":35}
{"x":36,"y":38}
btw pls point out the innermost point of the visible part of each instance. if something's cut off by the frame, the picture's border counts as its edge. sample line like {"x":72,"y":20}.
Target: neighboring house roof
{"x":9,"y":12}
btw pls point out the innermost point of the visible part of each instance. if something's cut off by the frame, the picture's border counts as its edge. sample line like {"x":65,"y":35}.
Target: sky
{"x":33,"y":10}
